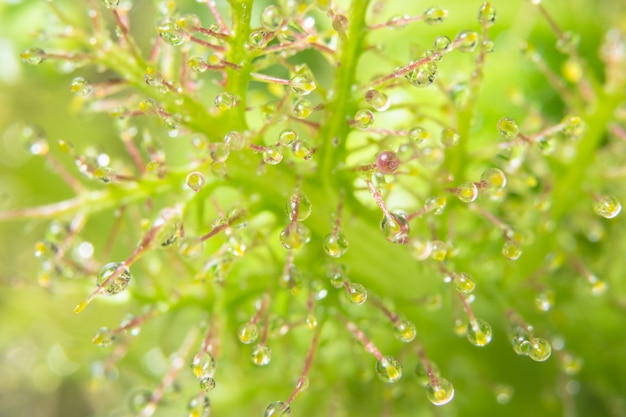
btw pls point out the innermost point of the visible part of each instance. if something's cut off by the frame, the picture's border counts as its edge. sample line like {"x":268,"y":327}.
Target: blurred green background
{"x":46,"y":357}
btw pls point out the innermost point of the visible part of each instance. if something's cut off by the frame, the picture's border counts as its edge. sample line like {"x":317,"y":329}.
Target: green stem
{"x":334,"y":134}
{"x":238,"y":79}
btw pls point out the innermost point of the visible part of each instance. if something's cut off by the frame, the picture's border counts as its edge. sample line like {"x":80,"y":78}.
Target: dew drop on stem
{"x":272,"y":156}
{"x":33,"y":56}
{"x":607,"y":206}
{"x":467,"y":41}
{"x":248,"y":333}
{"x":507,"y":128}
{"x":335,"y":244}
{"x":278,"y":409}
{"x":117,"y":284}
{"x":203,"y":365}
{"x":389,"y":369}
{"x":80,"y":87}
{"x":479,"y":332}
{"x":356,"y":293}
{"x":195,"y":181}
{"x":440,"y":393}
{"x":261,"y":355}
{"x":395,"y":227}
{"x":539,"y":349}
{"x":378,"y":100}
{"x":435,"y":15}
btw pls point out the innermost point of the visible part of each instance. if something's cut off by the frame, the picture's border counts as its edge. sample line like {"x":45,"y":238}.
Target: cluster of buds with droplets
{"x":243,"y":136}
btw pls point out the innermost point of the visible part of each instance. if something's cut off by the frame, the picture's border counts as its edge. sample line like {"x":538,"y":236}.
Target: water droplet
{"x":439,"y":250}
{"x":171,"y":34}
{"x":424,"y":75}
{"x":153,"y":78}
{"x":207,"y":384}
{"x":356,"y":293}
{"x":234,"y":141}
{"x":460,"y":328}
{"x":295,"y":235}
{"x":544,"y":300}
{"x":110,"y":4}
{"x":442,"y":44}
{"x":302,"y":108}
{"x":272,"y":156}
{"x":46,"y":249}
{"x":489,"y":45}
{"x":464,"y":283}
{"x":291,"y":279}
{"x":389,"y":369}
{"x":248,"y":333}
{"x":571,"y":364}
{"x":302,"y":84}
{"x":219,"y":152}
{"x":407,"y":151}
{"x":139,"y":399}
{"x":511,"y":250}
{"x":278,"y":409}
{"x":419,"y":134}
{"x":80,"y":87}
{"x":117,"y":284}
{"x":195,"y":181}
{"x":503,"y":393}
{"x":310,"y":321}
{"x":441,"y":393}
{"x":460,"y":94}
{"x":387,"y":162}
{"x":299,"y":203}
{"x":203,"y":365}
{"x":568,"y":42}
{"x":467,"y":192}
{"x":432,"y":157}
{"x":435,"y":15}
{"x":198,"y":64}
{"x":479,"y":332}
{"x":261,"y":355}
{"x":466,"y":41}
{"x":335,"y":244}
{"x":378,"y":100}
{"x":66,"y":147}
{"x":336,"y":274}
{"x":237,"y":245}
{"x":301,"y":149}
{"x":450,"y":137}
{"x":225,"y":101}
{"x":395,"y":227}
{"x":103,"y":337}
{"x":436,"y":205}
{"x":32,"y":138}
{"x":597,"y":286}
{"x":539,"y":349}
{"x":340,"y":23}
{"x":420,"y":248}
{"x":607,"y":206}
{"x":493,"y":180}
{"x":199,"y":406}
{"x":573,"y":127}
{"x":486,"y":14}
{"x":271,"y":18}
{"x":287,"y":137}
{"x":104,"y":174}
{"x":520,"y":343}
{"x":363,"y":119}
{"x":258,"y":39}
{"x":404,"y":330}
{"x":507,"y":128}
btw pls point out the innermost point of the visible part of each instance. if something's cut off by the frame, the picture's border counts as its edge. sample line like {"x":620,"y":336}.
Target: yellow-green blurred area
{"x":48,"y":364}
